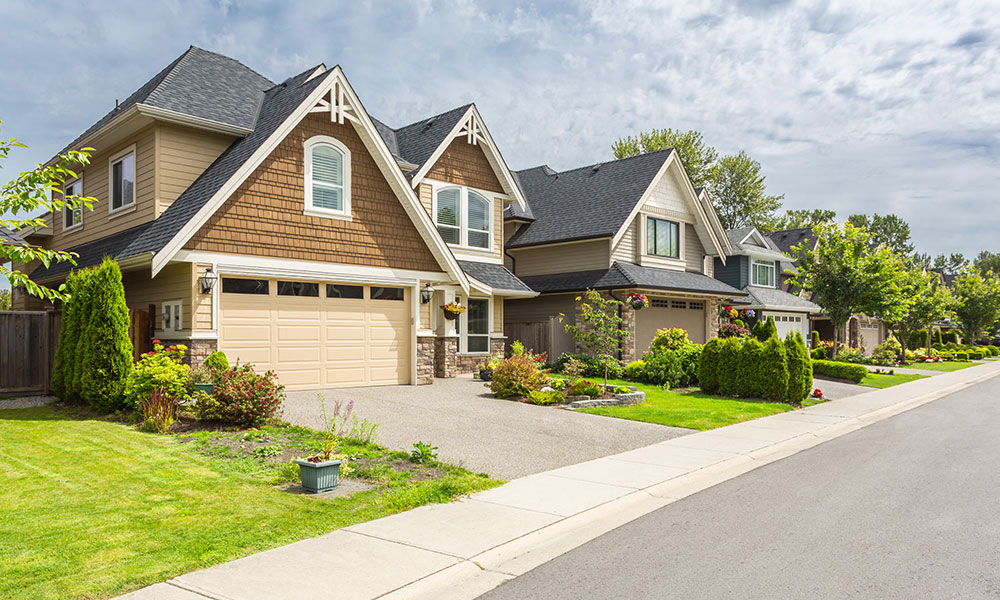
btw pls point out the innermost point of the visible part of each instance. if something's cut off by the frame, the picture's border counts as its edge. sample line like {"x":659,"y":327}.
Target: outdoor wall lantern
{"x":208,"y":281}
{"x":425,"y":294}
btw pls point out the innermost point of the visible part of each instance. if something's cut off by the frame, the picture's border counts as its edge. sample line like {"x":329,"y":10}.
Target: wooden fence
{"x":27,"y":350}
{"x":535,"y":336}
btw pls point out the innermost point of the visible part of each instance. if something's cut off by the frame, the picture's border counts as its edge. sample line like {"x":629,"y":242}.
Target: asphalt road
{"x":906,"y":508}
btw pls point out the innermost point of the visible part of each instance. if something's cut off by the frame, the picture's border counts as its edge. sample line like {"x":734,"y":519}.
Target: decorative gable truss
{"x":473,"y":129}
{"x":336,"y":96}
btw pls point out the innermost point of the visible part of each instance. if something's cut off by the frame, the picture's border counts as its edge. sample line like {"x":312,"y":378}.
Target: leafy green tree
{"x":601,"y":328}
{"x":951,"y":264}
{"x":977,"y":301}
{"x":31,"y":192}
{"x":105,"y":349}
{"x":987,"y":261}
{"x":848,"y":275}
{"x":4,"y":299}
{"x":888,"y":230}
{"x":739,"y":193}
{"x":928,"y":301}
{"x":799,"y":218}
{"x":697,"y":157}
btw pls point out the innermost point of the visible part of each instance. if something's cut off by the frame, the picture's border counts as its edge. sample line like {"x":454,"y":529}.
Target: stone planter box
{"x":618,"y":400}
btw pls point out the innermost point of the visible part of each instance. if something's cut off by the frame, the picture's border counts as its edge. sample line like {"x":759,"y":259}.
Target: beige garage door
{"x":316,"y":335}
{"x":663,"y":314}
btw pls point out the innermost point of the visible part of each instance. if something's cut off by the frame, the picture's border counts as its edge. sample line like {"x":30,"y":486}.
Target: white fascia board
{"x":419,"y":175}
{"x":114,"y":122}
{"x":172,"y":116}
{"x":257,"y":266}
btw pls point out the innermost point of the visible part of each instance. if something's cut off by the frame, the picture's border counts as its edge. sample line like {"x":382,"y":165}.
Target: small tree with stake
{"x":601,"y":330}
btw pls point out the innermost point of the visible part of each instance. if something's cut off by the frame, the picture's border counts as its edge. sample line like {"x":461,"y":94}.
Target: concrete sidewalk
{"x":463,"y":549}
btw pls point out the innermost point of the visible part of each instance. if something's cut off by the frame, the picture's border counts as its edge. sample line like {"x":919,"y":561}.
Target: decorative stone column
{"x":425,"y":359}
{"x":445,"y":349}
{"x":629,"y":352}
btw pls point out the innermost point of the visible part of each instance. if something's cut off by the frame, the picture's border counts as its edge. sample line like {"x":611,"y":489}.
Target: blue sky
{"x":864,"y":107}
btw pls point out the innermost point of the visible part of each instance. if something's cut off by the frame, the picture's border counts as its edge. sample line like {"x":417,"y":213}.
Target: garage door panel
{"x":651,"y":319}
{"x":247,"y":333}
{"x":298,"y":333}
{"x":299,"y":378}
{"x":388,"y":375}
{"x":344,"y":376}
{"x":256,"y":356}
{"x":292,"y":355}
{"x":346,"y":332}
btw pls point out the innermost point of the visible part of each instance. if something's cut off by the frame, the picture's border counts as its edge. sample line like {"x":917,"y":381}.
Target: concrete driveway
{"x":473,"y":429}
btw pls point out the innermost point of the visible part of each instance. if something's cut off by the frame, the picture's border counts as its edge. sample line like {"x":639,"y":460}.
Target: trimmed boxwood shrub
{"x":663,"y":367}
{"x":746,"y":382}
{"x":799,"y":368}
{"x":975,"y":355}
{"x":839,"y":370}
{"x":708,"y":365}
{"x":635,"y":370}
{"x":961,"y":356}
{"x":217,"y":360}
{"x":949,"y":336}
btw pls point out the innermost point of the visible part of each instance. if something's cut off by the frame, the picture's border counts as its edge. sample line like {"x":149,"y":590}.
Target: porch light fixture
{"x":208,"y":281}
{"x":425,"y":294}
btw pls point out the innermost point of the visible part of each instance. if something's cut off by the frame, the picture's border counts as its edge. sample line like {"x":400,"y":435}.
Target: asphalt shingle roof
{"x":627,"y":275}
{"x":775,"y":298}
{"x":786,"y":238}
{"x":197,"y":83}
{"x":416,"y":142}
{"x":583,"y":203}
{"x":735,"y":235}
{"x":8,"y":237}
{"x":493,"y":275}
{"x":114,"y":246}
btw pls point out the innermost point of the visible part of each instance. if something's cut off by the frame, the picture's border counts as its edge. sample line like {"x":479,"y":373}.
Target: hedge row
{"x":749,"y":368}
{"x":839,"y":370}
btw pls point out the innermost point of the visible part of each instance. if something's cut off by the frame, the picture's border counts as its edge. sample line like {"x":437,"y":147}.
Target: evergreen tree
{"x":68,"y":334}
{"x":80,"y":321}
{"x":799,"y":368}
{"x":106,"y":350}
{"x":772,"y":374}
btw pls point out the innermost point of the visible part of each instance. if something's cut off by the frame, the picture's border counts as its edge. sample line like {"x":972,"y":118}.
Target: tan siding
{"x":184,"y":154}
{"x":694,"y":253}
{"x":562,"y":258}
{"x":465,"y":164}
{"x":202,"y":303}
{"x":173,"y":282}
{"x":668,"y":194}
{"x":96,"y":222}
{"x":498,"y":238}
{"x":498,"y":314}
{"x":710,"y":267}
{"x":264,"y":217}
{"x":627,"y":248}
{"x":426,"y":195}
{"x":425,"y":315}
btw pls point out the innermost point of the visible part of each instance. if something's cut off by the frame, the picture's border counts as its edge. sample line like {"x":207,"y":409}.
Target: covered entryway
{"x":789,"y":322}
{"x":316,"y":335}
{"x":663,"y":314}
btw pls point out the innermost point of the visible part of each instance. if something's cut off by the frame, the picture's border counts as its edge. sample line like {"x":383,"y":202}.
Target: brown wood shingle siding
{"x":465,"y":164}
{"x":264,"y":217}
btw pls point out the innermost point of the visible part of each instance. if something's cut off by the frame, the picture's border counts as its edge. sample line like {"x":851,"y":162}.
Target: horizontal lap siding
{"x":264,"y":217}
{"x":173,"y":282}
{"x":184,"y":154}
{"x":562,"y":258}
{"x":694,"y":252}
{"x":497,"y":314}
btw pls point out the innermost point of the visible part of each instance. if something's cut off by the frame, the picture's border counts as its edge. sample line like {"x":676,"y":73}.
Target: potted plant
{"x":486,"y":368}
{"x":321,"y":472}
{"x":452,"y":310}
{"x":201,"y":377}
{"x":637,"y":301}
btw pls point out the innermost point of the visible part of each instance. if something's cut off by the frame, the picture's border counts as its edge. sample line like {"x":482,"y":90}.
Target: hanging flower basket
{"x":452,"y":310}
{"x":637,"y":301}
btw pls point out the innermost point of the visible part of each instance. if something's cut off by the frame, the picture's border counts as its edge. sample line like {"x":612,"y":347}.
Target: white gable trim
{"x":333,"y":95}
{"x":672,"y":160}
{"x":755,"y":234}
{"x":472,"y":127}
{"x":720,"y":231}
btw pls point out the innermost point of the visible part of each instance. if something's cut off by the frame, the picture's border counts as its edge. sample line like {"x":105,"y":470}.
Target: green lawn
{"x":942,"y":366}
{"x":694,"y":410}
{"x":876,"y":380}
{"x":91,"y":508}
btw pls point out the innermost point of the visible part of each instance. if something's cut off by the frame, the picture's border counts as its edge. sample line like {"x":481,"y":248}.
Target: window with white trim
{"x":327,"y":177}
{"x":663,"y":238}
{"x":762,"y":272}
{"x":463,"y":217}
{"x":123,"y":181}
{"x":172,"y":315}
{"x":475,"y":338}
{"x":72,"y":215}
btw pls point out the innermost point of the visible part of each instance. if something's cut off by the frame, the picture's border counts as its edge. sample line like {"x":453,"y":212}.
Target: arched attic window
{"x":327,"y":178}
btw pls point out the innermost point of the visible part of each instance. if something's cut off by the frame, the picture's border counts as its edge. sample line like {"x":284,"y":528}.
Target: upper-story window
{"x":328,"y":177}
{"x":72,"y":215}
{"x":762,"y":272}
{"x":663,"y":238}
{"x":463,"y":217}
{"x":122,"y":178}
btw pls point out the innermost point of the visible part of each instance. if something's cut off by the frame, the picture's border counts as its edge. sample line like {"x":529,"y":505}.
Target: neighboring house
{"x":629,"y":225}
{"x":757,"y":266}
{"x":334,"y":238}
{"x":862,"y":330}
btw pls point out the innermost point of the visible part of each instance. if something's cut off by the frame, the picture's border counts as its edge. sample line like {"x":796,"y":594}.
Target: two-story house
{"x":757,"y":266}
{"x":282,"y":224}
{"x":629,"y":225}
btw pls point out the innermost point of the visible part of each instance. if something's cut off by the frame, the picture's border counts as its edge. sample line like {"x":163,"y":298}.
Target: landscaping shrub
{"x":217,"y":360}
{"x":976,"y":355}
{"x":887,"y":353}
{"x":945,"y":355}
{"x":746,"y":381}
{"x":839,"y":370}
{"x":81,"y":315}
{"x":663,"y":368}
{"x":671,"y":339}
{"x":557,"y":384}
{"x":541,"y":398}
{"x":949,"y":337}
{"x":708,"y":366}
{"x":814,"y":339}
{"x":159,"y":369}
{"x":105,"y":349}
{"x":583,"y":387}
{"x":765,"y":330}
{"x":729,"y":365}
{"x":635,"y":370}
{"x":690,"y":357}
{"x":515,"y":375}
{"x":158,"y":412}
{"x":799,"y":368}
{"x":727,"y":330}
{"x":594,"y":366}
{"x":242,"y":397}
{"x":963,"y":356}
{"x":937,"y":338}
{"x":993,"y":350}
{"x":917,"y":339}
{"x":772,"y":373}
{"x":62,"y":368}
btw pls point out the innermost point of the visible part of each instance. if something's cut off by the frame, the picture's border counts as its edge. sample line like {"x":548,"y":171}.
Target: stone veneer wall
{"x":445,"y":349}
{"x":628,"y":324}
{"x":197,"y":352}
{"x":468,"y":363}
{"x":425,"y":360}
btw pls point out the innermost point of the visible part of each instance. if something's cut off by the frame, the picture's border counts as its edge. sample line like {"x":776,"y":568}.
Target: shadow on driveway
{"x":473,"y":429}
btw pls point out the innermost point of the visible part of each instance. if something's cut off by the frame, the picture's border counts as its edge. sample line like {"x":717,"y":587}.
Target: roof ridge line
{"x":617,"y":265}
{"x":424,"y":119}
{"x":170,"y":75}
{"x":606,"y":162}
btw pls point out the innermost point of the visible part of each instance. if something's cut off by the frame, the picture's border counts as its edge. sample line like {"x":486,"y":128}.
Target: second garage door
{"x":316,"y":335}
{"x":789,"y":322}
{"x":662,"y":314}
